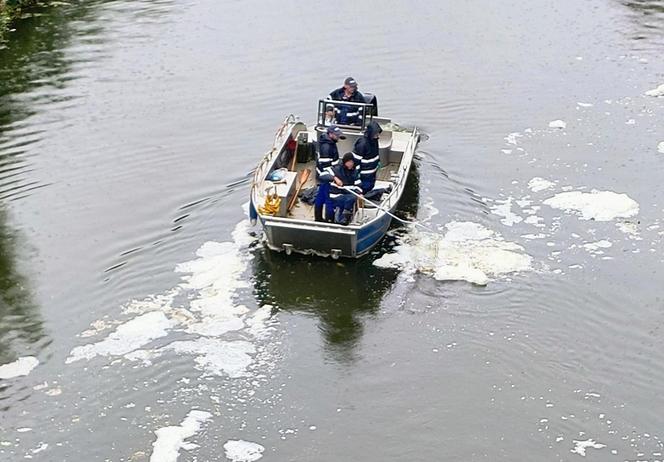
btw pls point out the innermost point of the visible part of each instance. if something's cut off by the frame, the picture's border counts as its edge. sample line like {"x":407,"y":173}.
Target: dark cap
{"x":350,"y":82}
{"x":333,"y":129}
{"x":348,"y":156}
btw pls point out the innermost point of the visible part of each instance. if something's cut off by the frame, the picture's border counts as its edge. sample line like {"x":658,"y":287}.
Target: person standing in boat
{"x":328,"y":157}
{"x":348,"y":115}
{"x":342,"y":177}
{"x":367,"y":156}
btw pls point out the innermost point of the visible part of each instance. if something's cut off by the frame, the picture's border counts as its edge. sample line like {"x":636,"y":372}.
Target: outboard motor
{"x":371,"y":99}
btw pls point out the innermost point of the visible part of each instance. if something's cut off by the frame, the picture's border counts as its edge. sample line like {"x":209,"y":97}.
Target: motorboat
{"x":289,"y":168}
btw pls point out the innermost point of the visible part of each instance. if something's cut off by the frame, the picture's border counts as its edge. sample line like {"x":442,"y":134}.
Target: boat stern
{"x":325,"y":239}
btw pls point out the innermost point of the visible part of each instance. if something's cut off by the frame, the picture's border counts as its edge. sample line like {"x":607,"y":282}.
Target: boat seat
{"x":379,"y":185}
{"x":285,"y":190}
{"x":382,"y":184}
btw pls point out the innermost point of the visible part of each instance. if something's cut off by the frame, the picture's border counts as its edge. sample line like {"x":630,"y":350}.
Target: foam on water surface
{"x":537,"y":184}
{"x":580,"y":447}
{"x":512,"y":138}
{"x":466,"y":252}
{"x":595,"y":205}
{"x":128,"y":337}
{"x":243,"y":451}
{"x":171,"y":439}
{"x":660,"y":147}
{"x":218,"y":357}
{"x":504,"y":209}
{"x":201,"y":321}
{"x":596,"y":247}
{"x":21,"y":367}
{"x":558,"y":124}
{"x":214,"y":277}
{"x":657,"y":92}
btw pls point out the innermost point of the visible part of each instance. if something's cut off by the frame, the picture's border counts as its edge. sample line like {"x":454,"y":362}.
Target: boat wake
{"x":199,"y":318}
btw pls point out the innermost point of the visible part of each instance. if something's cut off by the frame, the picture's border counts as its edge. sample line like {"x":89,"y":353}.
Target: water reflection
{"x":341,"y":294}
{"x":50,"y":48}
{"x":20,"y":323}
{"x":648,"y":18}
{"x":33,"y":68}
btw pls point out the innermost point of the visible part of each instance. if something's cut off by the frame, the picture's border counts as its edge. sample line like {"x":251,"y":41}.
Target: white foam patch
{"x":595,"y":205}
{"x":657,"y":92}
{"x":214,"y":276}
{"x":97,"y":327}
{"x":535,"y":221}
{"x":215,"y":266}
{"x":630,"y":229}
{"x":21,"y":367}
{"x":558,"y":124}
{"x":580,"y":447}
{"x":584,"y":104}
{"x":466,"y":252}
{"x":504,"y":209}
{"x":660,"y":147}
{"x":128,"y":337}
{"x":537,"y":184}
{"x":533,"y":236}
{"x":171,"y":439}
{"x":596,"y":246}
{"x":431,"y":210}
{"x":243,"y":451}
{"x":218,"y":357}
{"x":259,"y":323}
{"x":512,"y":138}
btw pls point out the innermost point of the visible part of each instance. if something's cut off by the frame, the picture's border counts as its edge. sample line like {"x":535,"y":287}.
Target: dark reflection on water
{"x":20,"y":322}
{"x":648,"y":19}
{"x":37,"y":68}
{"x":33,"y":61}
{"x":341,"y":294}
{"x":34,"y":68}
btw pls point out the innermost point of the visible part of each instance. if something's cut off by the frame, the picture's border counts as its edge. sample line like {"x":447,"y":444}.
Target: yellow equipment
{"x":271,"y":204}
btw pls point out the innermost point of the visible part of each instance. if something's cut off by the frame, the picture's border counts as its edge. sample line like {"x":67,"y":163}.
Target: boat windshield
{"x":345,"y":114}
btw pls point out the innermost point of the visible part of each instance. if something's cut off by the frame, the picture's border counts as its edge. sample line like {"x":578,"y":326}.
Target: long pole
{"x":378,"y":206}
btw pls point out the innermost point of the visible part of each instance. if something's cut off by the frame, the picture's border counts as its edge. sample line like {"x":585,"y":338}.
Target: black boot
{"x":318,"y":212}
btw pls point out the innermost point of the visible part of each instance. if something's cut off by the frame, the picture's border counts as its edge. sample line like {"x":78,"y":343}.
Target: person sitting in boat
{"x":343,"y":177}
{"x":367,"y":156}
{"x":328,"y":157}
{"x":330,"y":115}
{"x":348,"y":115}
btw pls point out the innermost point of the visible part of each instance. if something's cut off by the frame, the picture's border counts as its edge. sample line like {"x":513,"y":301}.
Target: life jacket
{"x":328,"y":154}
{"x":346,"y":114}
{"x":348,"y":178}
{"x":366,"y":151}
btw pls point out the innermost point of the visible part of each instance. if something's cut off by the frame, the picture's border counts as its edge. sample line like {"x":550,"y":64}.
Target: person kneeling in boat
{"x":366,"y":154}
{"x":342,"y":178}
{"x":328,"y":157}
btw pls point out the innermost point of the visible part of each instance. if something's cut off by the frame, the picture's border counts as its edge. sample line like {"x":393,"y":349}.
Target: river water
{"x":141,"y":318}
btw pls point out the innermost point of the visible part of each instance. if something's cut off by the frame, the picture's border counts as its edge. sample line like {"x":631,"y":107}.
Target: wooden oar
{"x":292,"y":165}
{"x":304,"y":176}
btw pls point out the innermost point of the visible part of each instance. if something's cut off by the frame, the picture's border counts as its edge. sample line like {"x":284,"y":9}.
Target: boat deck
{"x":302,"y":211}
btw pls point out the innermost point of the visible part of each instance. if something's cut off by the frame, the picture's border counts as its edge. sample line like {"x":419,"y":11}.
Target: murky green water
{"x":127,"y":133}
